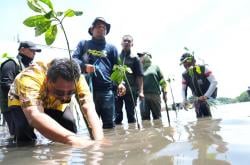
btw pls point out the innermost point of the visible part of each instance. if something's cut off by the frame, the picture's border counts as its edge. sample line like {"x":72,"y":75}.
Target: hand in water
{"x":79,"y":142}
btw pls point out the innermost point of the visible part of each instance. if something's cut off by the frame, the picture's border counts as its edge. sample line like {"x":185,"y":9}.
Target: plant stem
{"x":77,"y":96}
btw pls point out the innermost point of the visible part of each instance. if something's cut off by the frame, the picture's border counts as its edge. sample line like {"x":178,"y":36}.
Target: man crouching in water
{"x":39,"y":98}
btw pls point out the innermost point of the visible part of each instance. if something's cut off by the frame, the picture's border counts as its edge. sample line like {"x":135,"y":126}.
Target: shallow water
{"x":222,"y":140}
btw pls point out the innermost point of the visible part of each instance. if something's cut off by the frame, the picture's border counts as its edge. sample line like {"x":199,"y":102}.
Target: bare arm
{"x":49,"y":128}
{"x":88,"y":109}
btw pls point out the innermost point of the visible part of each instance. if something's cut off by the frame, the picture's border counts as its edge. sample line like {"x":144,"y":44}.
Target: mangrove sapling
{"x":46,"y":22}
{"x":119,"y":76}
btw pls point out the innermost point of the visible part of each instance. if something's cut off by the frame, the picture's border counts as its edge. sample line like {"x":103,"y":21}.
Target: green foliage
{"x":4,"y":57}
{"x":50,"y":34}
{"x":192,"y":99}
{"x":47,"y":20}
{"x":226,"y":100}
{"x":189,"y":51}
{"x":119,"y":73}
{"x":244,"y":97}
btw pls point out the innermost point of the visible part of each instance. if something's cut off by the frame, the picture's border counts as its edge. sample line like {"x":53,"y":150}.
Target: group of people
{"x":39,"y":94}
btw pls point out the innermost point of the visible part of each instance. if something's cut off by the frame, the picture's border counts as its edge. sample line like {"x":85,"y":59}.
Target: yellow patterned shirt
{"x":30,"y":89}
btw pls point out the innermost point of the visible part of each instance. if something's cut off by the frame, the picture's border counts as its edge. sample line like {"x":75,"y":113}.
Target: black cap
{"x":30,"y":45}
{"x":99,"y":19}
{"x":143,"y":54}
{"x":185,"y":57}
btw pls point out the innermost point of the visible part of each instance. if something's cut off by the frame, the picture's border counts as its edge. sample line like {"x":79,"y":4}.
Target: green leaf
{"x":49,"y":15}
{"x":78,"y":13}
{"x":32,"y":5}
{"x":40,"y":29}
{"x":5,"y":55}
{"x":185,"y":48}
{"x":50,"y":34}
{"x":35,"y":20}
{"x":48,"y":3}
{"x":69,"y":13}
{"x":59,"y":13}
{"x":129,"y":70}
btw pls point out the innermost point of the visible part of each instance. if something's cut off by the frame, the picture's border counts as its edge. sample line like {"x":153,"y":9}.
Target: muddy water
{"x":222,"y":140}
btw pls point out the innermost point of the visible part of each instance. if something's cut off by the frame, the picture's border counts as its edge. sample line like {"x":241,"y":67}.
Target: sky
{"x":218,"y":31}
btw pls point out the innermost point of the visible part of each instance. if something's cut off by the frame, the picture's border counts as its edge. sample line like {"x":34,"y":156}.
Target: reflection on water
{"x":222,"y":140}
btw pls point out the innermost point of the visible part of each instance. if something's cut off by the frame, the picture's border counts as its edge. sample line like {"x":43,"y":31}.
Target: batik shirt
{"x":30,"y":88}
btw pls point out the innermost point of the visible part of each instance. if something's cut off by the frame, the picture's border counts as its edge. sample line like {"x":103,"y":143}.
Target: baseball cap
{"x":30,"y":45}
{"x":140,"y":54}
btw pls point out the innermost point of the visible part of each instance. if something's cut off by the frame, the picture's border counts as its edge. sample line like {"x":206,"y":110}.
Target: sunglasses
{"x":62,"y":93}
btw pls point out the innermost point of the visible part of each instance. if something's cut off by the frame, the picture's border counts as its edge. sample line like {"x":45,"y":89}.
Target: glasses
{"x":62,"y":93}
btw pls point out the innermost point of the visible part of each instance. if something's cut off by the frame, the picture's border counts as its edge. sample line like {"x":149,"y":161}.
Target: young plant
{"x":4,"y":57}
{"x":119,"y":72}
{"x":119,"y":76}
{"x":46,"y":22}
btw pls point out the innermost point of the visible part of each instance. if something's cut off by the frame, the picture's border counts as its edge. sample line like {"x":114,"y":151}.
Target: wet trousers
{"x":23,"y":132}
{"x":202,"y":109}
{"x":105,"y":107}
{"x":130,"y":104}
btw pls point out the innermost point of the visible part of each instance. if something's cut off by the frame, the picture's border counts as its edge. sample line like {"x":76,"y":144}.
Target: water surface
{"x":222,"y":140}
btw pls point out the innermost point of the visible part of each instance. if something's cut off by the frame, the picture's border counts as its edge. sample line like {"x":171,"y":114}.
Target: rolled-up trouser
{"x":23,"y":132}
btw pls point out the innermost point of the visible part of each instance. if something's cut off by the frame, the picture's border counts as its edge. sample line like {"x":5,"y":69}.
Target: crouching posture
{"x":39,"y":98}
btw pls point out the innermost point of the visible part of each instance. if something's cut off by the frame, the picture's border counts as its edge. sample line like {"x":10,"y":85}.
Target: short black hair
{"x":65,"y":68}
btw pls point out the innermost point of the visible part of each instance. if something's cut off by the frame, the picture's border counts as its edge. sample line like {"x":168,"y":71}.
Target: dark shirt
{"x":135,"y":65}
{"x":100,"y":54}
{"x":9,"y":70}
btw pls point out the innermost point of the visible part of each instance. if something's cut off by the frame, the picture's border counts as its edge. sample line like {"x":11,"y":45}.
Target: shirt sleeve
{"x":213,"y":82}
{"x":184,"y":89}
{"x":78,"y":53}
{"x":83,"y":90}
{"x":9,"y":71}
{"x":29,"y":90}
{"x":138,"y":67}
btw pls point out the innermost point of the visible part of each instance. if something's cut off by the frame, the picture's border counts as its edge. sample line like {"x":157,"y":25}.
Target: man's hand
{"x":121,"y":90}
{"x":141,"y":95}
{"x":89,"y":68}
{"x":202,"y":98}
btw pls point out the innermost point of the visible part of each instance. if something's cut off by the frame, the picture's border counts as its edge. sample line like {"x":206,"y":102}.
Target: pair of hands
{"x":187,"y":105}
{"x":80,"y":142}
